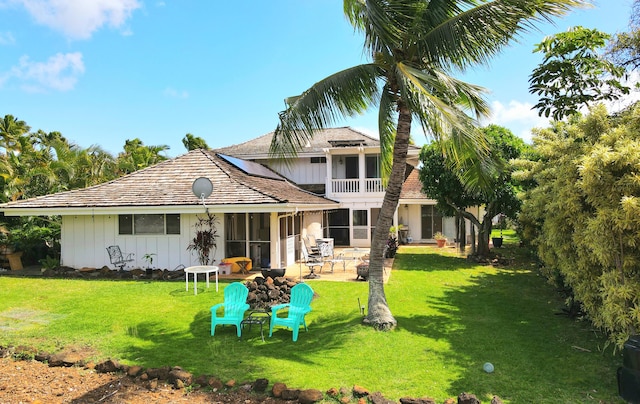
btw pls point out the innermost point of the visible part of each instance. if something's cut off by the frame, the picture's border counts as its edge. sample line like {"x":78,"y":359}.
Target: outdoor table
{"x":200,"y":269}
{"x":257,"y":316}
{"x":355,"y":253}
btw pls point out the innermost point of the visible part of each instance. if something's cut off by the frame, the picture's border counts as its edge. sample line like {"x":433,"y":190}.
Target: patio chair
{"x":117,"y":258}
{"x":312,"y":261}
{"x":311,"y":245}
{"x":299,"y":306}
{"x":235,"y":304}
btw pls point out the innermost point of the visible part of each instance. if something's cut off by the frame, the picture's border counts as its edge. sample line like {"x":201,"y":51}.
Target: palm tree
{"x":414,"y":46}
{"x":192,"y":142}
{"x":11,"y":129}
{"x":137,"y":156}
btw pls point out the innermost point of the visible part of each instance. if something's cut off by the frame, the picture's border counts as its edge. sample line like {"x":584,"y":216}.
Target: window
{"x":339,"y":226}
{"x":248,"y":235}
{"x":318,"y":160}
{"x":360,"y":218}
{"x":431,"y":221}
{"x":152,"y":224}
{"x":372,"y":163}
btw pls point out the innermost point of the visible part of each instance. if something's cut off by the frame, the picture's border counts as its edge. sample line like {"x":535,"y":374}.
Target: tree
{"x":137,"y":156}
{"x":414,"y":45}
{"x":192,"y":142}
{"x":11,"y":129}
{"x":624,"y":48}
{"x":441,"y":183}
{"x":572,"y":75}
{"x":584,"y":215}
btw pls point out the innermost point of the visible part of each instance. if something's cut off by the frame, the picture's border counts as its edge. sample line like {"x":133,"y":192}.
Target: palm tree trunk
{"x":379,"y":315}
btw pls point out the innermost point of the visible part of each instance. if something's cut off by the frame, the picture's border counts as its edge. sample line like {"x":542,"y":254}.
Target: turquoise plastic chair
{"x":235,"y":304}
{"x":299,"y":305}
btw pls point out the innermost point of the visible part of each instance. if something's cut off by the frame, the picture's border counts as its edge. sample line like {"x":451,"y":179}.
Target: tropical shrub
{"x":584,"y":215}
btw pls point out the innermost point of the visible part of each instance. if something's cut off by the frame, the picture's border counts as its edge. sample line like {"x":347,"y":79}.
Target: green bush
{"x":584,"y":216}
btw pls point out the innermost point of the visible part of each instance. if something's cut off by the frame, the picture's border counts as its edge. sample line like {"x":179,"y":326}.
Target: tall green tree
{"x":192,"y":142}
{"x":573,"y":75}
{"x":137,"y":156}
{"x":11,"y":129}
{"x":624,"y":48}
{"x":440,"y":182}
{"x":414,"y":46}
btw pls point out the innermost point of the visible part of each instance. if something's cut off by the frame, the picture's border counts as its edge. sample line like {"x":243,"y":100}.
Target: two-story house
{"x":332,"y":189}
{"x":343,"y":165}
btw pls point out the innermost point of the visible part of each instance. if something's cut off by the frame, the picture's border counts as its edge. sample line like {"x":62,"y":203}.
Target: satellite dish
{"x":202,"y":188}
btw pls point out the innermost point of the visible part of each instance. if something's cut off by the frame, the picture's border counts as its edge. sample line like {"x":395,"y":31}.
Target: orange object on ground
{"x":235,"y":266}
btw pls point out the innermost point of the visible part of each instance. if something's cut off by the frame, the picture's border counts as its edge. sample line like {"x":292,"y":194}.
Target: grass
{"x":509,"y":235}
{"x":452,"y":317}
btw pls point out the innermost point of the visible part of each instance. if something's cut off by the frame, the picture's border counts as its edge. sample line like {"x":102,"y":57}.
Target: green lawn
{"x":452,"y":317}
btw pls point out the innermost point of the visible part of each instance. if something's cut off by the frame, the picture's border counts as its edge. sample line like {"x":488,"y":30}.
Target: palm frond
{"x":384,"y":23}
{"x":387,"y":131}
{"x":439,"y":102}
{"x":343,"y":94}
{"x":456,"y":33}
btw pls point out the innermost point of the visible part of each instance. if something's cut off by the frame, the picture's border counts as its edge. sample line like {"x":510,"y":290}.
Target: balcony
{"x":356,"y":185}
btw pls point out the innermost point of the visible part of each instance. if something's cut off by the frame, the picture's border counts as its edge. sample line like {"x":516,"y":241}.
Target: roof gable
{"x":169,"y":184}
{"x":322,"y":140}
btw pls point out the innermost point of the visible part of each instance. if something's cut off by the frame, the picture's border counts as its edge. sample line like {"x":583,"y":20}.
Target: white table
{"x":356,"y":253}
{"x":200,"y":269}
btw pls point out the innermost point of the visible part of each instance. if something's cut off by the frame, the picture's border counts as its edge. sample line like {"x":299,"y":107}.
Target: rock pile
{"x":266,"y":292}
{"x":108,"y":273}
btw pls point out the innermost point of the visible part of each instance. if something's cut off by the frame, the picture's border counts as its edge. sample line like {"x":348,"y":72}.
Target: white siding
{"x":84,"y":240}
{"x":302,"y":171}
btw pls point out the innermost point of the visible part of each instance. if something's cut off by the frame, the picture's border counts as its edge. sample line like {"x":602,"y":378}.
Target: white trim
{"x":256,"y":208}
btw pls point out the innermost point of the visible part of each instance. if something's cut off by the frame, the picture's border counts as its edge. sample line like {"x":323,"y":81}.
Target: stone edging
{"x":178,"y":378}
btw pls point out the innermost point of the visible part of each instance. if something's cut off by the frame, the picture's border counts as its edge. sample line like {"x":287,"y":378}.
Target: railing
{"x":373,"y":185}
{"x":345,"y":186}
{"x":349,"y":186}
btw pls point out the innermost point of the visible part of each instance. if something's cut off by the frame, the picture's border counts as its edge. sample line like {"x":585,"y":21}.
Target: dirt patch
{"x":36,"y":382}
{"x":19,"y":318}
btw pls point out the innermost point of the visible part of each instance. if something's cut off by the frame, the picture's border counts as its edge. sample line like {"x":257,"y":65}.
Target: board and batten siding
{"x":301,"y":171}
{"x":84,"y":241}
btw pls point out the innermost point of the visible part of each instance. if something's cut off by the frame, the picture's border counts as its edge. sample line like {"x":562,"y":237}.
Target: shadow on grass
{"x":228,"y":357}
{"x":423,"y":259}
{"x":508,"y":318}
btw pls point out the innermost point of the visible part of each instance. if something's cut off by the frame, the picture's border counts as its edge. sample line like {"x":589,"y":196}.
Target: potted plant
{"x":149,"y":258}
{"x":391,"y":247}
{"x":205,"y":238}
{"x":441,"y":239}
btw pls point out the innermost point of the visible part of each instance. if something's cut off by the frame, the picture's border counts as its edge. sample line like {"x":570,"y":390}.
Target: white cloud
{"x":519,"y":117}
{"x":172,"y":92}
{"x":60,"y":72}
{"x":78,"y":19}
{"x":6,"y":38}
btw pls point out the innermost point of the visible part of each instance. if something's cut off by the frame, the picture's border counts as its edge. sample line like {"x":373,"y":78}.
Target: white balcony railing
{"x":373,"y":185}
{"x":345,"y":186}
{"x":349,"y":186}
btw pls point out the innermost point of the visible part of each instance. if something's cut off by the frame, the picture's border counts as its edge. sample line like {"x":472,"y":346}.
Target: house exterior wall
{"x":84,"y":240}
{"x":301,"y":171}
{"x":409,"y":215}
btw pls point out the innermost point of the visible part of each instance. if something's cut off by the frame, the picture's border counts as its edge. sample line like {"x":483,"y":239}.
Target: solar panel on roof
{"x":251,"y":167}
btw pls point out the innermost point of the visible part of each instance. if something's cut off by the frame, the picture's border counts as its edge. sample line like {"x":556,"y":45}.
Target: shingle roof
{"x":323,"y":139}
{"x":169,"y":184}
{"x":412,"y":187}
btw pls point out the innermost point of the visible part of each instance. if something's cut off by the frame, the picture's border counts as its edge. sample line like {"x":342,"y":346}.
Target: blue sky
{"x":104,"y":71}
